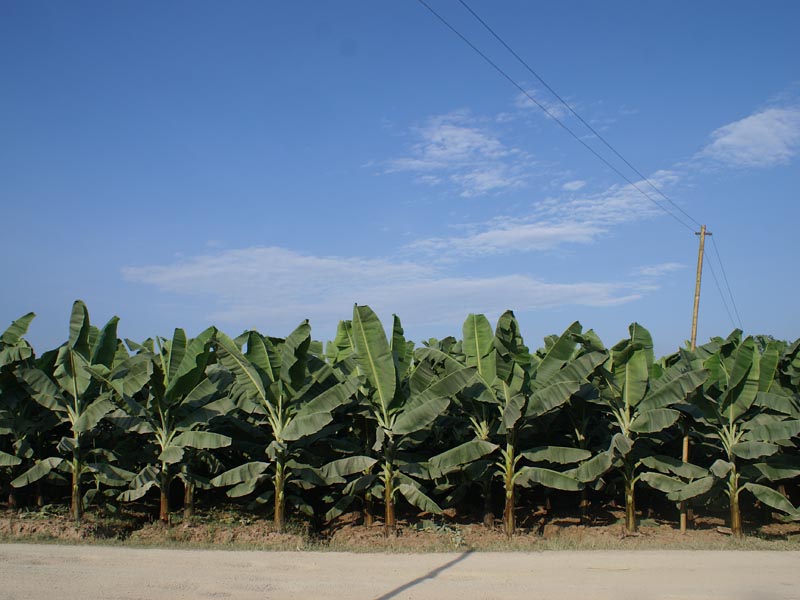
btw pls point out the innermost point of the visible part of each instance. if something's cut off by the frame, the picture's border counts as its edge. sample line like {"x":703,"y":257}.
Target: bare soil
{"x":234,"y":530}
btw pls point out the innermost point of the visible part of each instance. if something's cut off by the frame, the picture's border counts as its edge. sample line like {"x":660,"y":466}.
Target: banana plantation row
{"x":369,"y":419}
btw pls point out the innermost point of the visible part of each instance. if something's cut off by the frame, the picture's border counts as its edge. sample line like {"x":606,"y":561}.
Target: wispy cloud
{"x":454,"y":148}
{"x":659,"y":270}
{"x":764,"y":139}
{"x":621,"y":203}
{"x":506,"y":235}
{"x":278,"y":279}
{"x":522,"y":101}
{"x":552,"y":222}
{"x":573,"y":186}
{"x":278,"y":287}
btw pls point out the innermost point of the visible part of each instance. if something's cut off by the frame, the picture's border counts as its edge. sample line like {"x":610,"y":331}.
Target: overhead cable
{"x":578,"y":116}
{"x":554,"y":117}
{"x":727,"y":284}
{"x":721,"y":295}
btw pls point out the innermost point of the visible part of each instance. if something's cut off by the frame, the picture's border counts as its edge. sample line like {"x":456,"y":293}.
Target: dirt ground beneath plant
{"x":73,"y":572}
{"x":236,"y":530}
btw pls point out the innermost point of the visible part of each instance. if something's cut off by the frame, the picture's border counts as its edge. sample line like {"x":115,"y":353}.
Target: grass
{"x":433,"y":546}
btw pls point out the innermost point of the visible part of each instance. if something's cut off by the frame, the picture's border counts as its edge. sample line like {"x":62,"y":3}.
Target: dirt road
{"x":72,"y":572}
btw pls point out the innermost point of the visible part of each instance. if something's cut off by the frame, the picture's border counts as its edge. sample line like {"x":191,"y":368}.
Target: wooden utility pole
{"x":703,"y":233}
{"x":685,"y":454}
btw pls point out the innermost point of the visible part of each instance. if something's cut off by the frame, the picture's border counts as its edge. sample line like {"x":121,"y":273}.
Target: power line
{"x":605,"y":141}
{"x":727,"y":285}
{"x":719,"y":289}
{"x":582,"y":142}
{"x":553,"y":117}
{"x":575,"y":113}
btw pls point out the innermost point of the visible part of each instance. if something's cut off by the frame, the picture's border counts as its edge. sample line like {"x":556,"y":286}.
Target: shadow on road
{"x":429,"y":575}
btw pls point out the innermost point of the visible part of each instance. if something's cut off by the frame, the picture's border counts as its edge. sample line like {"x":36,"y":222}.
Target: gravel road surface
{"x":49,"y":572}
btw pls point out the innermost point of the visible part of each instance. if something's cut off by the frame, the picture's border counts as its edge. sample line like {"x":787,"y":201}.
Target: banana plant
{"x":350,"y":476}
{"x":787,"y":384}
{"x":15,"y":349}
{"x":787,"y":376}
{"x":560,"y":375}
{"x":476,"y":414}
{"x":511,"y":393}
{"x":78,"y":400}
{"x":463,"y":457}
{"x":289,"y":391}
{"x":579,"y":422}
{"x":170,"y":396}
{"x":15,"y":352}
{"x":641,"y":401}
{"x":27,"y":432}
{"x":747,"y":416}
{"x":24,"y":424}
{"x":196,"y":470}
{"x":402,"y":398}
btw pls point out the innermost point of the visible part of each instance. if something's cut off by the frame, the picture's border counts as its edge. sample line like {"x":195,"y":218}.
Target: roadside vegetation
{"x":372,"y":442}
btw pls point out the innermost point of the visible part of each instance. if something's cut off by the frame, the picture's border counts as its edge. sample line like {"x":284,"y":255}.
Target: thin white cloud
{"x":452,"y":148}
{"x":659,"y":270}
{"x":482,"y":180}
{"x":510,"y":235}
{"x":764,"y":139}
{"x":552,"y":222}
{"x":573,"y":186}
{"x":272,"y":275}
{"x":522,"y":101}
{"x":277,"y":287}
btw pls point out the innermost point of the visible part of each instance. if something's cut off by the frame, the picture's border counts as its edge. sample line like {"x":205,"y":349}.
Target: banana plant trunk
{"x":389,"y":522}
{"x":509,"y":520}
{"x":279,"y":518}
{"x":584,"y":506}
{"x":684,"y":507}
{"x":585,"y":503}
{"x":39,"y":495}
{"x":188,"y":501}
{"x":630,"y":501}
{"x":736,"y":514}
{"x":76,"y":504}
{"x":163,"y":513}
{"x":369,"y":516}
{"x":369,"y":508}
{"x":12,"y":500}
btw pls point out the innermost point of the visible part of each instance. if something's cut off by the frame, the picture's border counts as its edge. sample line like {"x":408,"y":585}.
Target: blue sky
{"x":251,"y":164}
